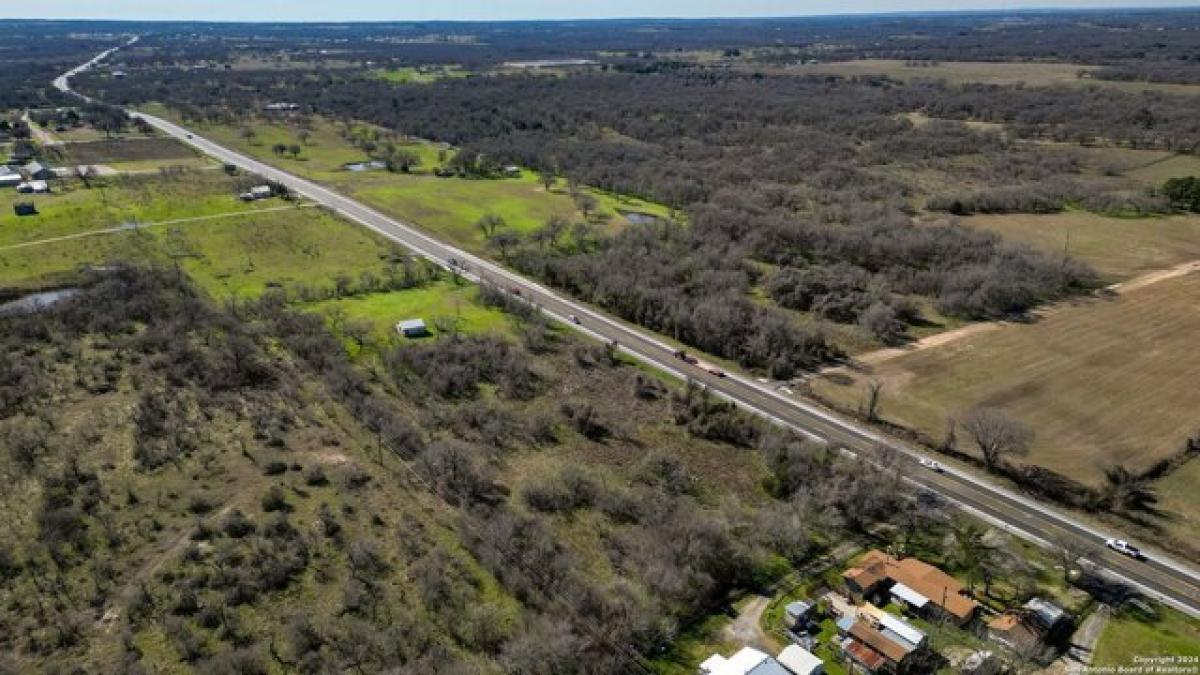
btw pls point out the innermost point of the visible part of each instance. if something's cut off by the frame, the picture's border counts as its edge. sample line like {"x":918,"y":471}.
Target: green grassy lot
{"x":441,"y":302}
{"x":73,"y":208}
{"x":1129,"y":634}
{"x":426,"y":75}
{"x":449,"y":207}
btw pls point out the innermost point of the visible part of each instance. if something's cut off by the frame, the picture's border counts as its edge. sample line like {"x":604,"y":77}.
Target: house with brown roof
{"x":893,"y":639}
{"x":915,"y":584}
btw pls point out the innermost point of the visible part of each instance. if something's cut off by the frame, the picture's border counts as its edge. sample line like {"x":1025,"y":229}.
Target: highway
{"x":1171,"y":581}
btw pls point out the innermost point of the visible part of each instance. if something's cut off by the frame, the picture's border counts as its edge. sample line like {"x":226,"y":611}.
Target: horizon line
{"x":1029,"y":9}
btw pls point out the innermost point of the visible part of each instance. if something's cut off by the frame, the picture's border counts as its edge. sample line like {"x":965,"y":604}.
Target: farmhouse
{"x":412,"y":328}
{"x":888,"y":636}
{"x":8,"y":177}
{"x":921,"y":587}
{"x":37,"y":171}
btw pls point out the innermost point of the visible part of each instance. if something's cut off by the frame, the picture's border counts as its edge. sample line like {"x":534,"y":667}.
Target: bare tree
{"x":996,"y":434}
{"x":869,"y":407}
{"x":1069,"y":554}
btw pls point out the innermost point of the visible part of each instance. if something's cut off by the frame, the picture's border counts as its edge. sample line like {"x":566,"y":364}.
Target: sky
{"x":411,"y":10}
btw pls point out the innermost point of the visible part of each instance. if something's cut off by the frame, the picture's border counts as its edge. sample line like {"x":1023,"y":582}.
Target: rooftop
{"x":864,"y":654}
{"x":917,"y":576}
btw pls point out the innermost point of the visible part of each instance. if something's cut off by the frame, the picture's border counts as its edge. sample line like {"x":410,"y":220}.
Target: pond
{"x":365,"y":166}
{"x":36,"y":302}
{"x":639,"y":218}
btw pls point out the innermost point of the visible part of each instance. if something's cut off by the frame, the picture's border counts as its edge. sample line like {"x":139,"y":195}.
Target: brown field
{"x":127,"y":150}
{"x":1175,"y":166}
{"x":1101,"y":382}
{"x":1119,"y":248}
{"x":961,"y":72}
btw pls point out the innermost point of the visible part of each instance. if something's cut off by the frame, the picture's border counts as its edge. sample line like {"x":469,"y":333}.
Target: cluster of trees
{"x":1183,"y":193}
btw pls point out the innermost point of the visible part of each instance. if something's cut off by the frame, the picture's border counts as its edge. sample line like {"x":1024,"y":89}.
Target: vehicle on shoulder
{"x":932,"y":465}
{"x":682,"y":355}
{"x":514,"y":290}
{"x":1125,"y":548}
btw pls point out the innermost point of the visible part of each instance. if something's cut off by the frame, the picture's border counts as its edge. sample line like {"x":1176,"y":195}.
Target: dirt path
{"x":746,"y":629}
{"x":111,"y":617}
{"x":940,"y":339}
{"x":41,"y":135}
{"x":1083,"y":643}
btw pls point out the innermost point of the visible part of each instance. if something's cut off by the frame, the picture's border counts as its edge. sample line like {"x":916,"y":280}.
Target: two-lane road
{"x":1171,"y":581}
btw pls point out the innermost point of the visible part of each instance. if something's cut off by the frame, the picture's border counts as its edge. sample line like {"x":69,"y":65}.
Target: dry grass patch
{"x":1101,"y":382}
{"x":1119,"y":248}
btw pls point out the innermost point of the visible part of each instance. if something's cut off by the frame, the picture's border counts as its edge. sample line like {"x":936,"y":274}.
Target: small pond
{"x":366,"y":166}
{"x":36,"y":302}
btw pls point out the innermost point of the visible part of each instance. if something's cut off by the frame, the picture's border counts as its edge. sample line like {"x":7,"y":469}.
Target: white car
{"x":1125,"y":548}
{"x":573,"y":319}
{"x":931,"y":465}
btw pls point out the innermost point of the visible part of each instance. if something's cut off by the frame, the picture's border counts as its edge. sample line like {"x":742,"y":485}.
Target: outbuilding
{"x":412,"y":328}
{"x":800,"y":661}
{"x":37,"y":171}
{"x":8,"y":177}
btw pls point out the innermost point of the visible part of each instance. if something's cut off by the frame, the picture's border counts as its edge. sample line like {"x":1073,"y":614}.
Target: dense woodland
{"x":284,"y":505}
{"x":807,"y":202}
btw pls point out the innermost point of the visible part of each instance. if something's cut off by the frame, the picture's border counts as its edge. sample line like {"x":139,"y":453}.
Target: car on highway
{"x":573,"y":319}
{"x":514,"y":290}
{"x":932,"y":465}
{"x":717,"y":371}
{"x":1125,"y":548}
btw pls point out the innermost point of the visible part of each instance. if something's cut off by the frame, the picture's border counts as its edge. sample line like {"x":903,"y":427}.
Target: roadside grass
{"x":1118,"y":248}
{"x":1129,"y":633}
{"x":442,"y":302}
{"x":1100,"y":381}
{"x":426,"y":75}
{"x":112,"y":201}
{"x":448,"y":207}
{"x":999,"y":73}
{"x":1177,"y":499}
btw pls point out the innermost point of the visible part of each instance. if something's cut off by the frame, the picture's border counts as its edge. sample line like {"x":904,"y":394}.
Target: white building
{"x":747,"y":661}
{"x":800,"y":661}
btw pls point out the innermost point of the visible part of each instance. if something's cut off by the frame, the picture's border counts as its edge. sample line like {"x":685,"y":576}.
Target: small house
{"x":412,"y":328}
{"x":797,"y":614}
{"x":800,"y":661}
{"x":919,"y":586}
{"x":37,"y":171}
{"x":9,"y":178}
{"x":512,"y":171}
{"x":25,"y":209}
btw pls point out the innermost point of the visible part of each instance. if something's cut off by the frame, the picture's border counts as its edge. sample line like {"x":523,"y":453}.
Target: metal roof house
{"x":747,"y":661}
{"x":412,"y":328}
{"x":8,"y":177}
{"x":800,"y":661}
{"x":37,"y":171}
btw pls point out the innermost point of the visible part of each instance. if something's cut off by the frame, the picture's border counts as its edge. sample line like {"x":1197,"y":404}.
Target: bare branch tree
{"x":996,"y":434}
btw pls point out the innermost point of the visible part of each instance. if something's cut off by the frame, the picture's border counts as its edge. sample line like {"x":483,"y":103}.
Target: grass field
{"x":1118,"y":248}
{"x":1128,"y":635}
{"x":1177,"y":498}
{"x":74,"y":208}
{"x":1173,"y":166}
{"x":999,"y":73}
{"x":126,"y":150}
{"x":1101,"y":382}
{"x":421,"y":75}
{"x":444,"y":300}
{"x":449,"y":207}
